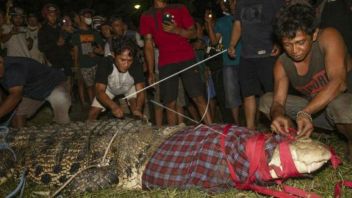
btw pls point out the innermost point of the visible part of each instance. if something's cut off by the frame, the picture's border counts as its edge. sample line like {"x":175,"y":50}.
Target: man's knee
{"x":265,"y":103}
{"x":340,"y":109}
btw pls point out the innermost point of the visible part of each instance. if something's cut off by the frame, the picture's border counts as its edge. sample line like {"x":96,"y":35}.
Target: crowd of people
{"x":289,"y":59}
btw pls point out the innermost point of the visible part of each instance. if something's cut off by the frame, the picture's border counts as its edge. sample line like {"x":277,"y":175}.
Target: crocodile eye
{"x":38,"y":170}
{"x":63,"y":179}
{"x":46,"y":178}
{"x":74,"y":168}
{"x":57,"y":169}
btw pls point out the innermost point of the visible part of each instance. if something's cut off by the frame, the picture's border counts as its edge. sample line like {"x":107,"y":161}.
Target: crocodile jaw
{"x":308,"y":156}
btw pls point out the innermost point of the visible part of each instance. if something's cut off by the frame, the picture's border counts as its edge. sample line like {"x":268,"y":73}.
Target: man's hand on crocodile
{"x":281,"y":125}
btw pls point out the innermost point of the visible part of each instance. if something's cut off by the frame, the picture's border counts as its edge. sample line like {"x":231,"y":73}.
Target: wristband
{"x":304,"y":114}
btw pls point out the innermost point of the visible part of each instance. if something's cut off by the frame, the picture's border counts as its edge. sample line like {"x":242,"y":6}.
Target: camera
{"x":167,"y":17}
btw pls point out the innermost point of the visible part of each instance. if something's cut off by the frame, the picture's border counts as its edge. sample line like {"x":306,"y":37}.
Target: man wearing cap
{"x":51,"y":41}
{"x":87,"y":48}
{"x":29,"y":84}
{"x":14,"y":36}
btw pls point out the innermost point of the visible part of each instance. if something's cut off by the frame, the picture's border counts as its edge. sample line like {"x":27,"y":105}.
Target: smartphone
{"x":167,"y":17}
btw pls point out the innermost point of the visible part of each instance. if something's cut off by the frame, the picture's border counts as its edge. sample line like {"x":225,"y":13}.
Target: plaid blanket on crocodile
{"x":193,"y":159}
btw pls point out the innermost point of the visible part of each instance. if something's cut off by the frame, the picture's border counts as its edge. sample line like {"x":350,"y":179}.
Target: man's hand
{"x":304,"y":127}
{"x":275,"y":51}
{"x":171,"y":27}
{"x":231,"y":51}
{"x":60,"y":41}
{"x":281,"y":125}
{"x":117,"y":111}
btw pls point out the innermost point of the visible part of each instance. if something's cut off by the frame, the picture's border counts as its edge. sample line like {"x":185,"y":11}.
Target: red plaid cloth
{"x":193,"y":158}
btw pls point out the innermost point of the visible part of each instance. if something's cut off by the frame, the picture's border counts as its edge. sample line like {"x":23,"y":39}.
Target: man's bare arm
{"x":140,"y":97}
{"x":280,"y":122}
{"x":281,"y":84}
{"x":103,"y":97}
{"x":75,"y":56}
{"x":334,"y":49}
{"x":9,"y":104}
{"x":209,"y":26}
{"x":235,"y":37}
{"x":149,"y":56}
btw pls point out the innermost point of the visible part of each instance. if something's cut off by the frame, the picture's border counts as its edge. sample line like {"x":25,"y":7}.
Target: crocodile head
{"x":308,"y":156}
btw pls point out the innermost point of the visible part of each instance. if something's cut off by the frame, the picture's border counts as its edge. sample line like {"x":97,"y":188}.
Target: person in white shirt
{"x":112,"y":79}
{"x":33,"y":27}
{"x":14,"y":35}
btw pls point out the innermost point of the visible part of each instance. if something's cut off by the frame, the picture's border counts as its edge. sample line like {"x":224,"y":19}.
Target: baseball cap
{"x":50,"y":8}
{"x":86,"y":10}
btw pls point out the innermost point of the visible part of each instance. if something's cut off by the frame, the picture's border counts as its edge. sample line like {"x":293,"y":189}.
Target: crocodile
{"x":103,"y":153}
{"x":52,"y":154}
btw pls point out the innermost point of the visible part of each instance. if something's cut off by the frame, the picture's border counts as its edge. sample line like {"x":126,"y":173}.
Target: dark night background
{"x":107,"y":8}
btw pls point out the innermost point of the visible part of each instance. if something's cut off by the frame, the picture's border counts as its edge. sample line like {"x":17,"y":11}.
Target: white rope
{"x":190,"y":119}
{"x":180,"y":114}
{"x":175,"y":74}
{"x":103,"y":163}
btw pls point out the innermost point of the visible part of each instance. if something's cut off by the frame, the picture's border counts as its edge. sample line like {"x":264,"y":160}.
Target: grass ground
{"x":321,"y":182}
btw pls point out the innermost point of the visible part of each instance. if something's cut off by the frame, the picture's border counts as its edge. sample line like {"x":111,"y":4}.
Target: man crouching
{"x":112,"y":79}
{"x":317,"y":65}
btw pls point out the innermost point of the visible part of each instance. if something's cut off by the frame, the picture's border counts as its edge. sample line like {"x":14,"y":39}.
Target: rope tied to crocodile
{"x":104,"y":162}
{"x":236,"y":158}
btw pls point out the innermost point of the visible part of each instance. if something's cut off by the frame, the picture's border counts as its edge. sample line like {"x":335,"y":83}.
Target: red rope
{"x":257,"y":160}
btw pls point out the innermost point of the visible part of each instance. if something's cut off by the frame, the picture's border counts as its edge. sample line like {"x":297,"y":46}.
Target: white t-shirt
{"x":17,"y":44}
{"x":35,"y":53}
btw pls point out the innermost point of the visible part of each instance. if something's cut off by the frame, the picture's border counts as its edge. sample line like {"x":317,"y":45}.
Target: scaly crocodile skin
{"x":53,"y":153}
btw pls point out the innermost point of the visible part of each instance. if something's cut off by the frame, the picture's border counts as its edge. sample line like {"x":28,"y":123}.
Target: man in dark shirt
{"x":253,"y":24}
{"x":51,"y":41}
{"x":317,"y":65}
{"x":29,"y":84}
{"x":113,"y":78}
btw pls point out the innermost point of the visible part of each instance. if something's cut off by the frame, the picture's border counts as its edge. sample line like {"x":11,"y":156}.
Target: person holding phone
{"x":170,"y":26}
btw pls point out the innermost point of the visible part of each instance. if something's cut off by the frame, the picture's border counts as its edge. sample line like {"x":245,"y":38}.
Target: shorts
{"x":190,"y":78}
{"x":338,"y":111}
{"x":59,"y":100}
{"x":181,"y":100}
{"x":256,"y":75}
{"x":231,"y":86}
{"x":88,"y":75}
